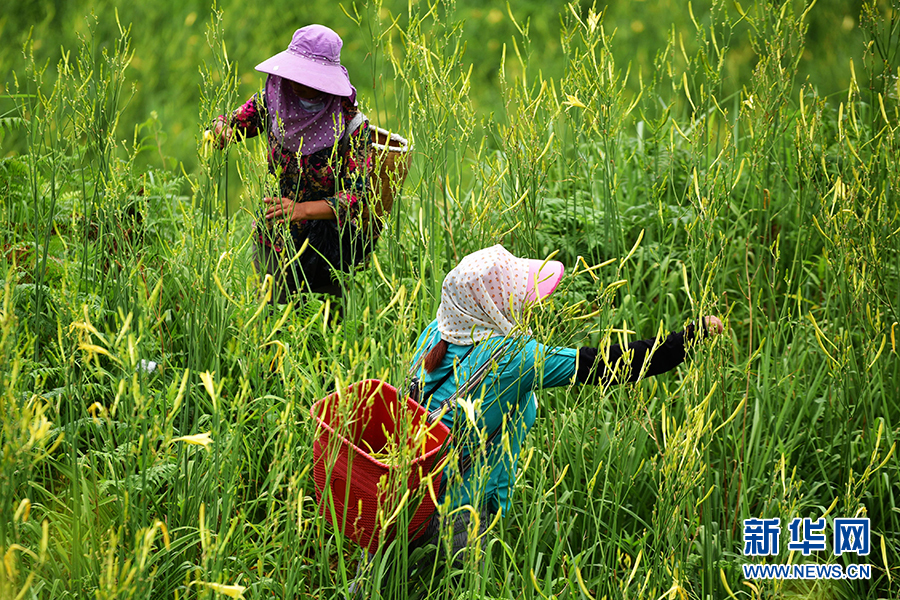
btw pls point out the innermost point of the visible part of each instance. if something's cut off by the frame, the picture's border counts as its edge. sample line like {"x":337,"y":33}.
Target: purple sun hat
{"x":313,"y":59}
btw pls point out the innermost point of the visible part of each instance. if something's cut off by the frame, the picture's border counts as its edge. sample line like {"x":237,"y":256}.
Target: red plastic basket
{"x":361,"y":485}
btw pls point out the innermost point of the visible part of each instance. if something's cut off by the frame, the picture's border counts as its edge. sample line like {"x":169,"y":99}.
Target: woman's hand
{"x":713,"y":326}
{"x":285,"y":210}
{"x":222,"y":132}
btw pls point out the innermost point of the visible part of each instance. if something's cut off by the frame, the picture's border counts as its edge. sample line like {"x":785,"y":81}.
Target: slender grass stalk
{"x":157,"y":437}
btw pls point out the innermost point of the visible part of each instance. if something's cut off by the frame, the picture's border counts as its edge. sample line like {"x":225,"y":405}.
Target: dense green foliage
{"x":170,"y":45}
{"x":712,"y":165}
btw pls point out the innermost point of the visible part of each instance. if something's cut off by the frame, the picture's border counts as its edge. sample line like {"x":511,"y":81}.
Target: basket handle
{"x":395,"y":142}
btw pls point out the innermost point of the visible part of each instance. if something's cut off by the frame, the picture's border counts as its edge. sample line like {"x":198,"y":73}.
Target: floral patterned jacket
{"x":340,"y":176}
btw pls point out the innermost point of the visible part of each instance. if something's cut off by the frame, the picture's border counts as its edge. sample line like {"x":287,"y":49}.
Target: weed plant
{"x":156,"y":432}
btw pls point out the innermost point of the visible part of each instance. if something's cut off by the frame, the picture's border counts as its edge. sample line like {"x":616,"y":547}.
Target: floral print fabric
{"x":340,"y":177}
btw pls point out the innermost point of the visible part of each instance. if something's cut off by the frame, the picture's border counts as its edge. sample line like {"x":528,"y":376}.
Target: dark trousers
{"x":428,"y":558}
{"x":290,"y":277}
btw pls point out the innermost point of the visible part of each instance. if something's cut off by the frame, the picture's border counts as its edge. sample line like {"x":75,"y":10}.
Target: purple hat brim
{"x":331,"y":79}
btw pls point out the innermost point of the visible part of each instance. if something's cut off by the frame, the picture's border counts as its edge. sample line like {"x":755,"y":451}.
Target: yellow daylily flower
{"x":574,"y":101}
{"x":207,"y":378}
{"x":468,"y":407}
{"x":198,"y":439}
{"x":232,"y":591}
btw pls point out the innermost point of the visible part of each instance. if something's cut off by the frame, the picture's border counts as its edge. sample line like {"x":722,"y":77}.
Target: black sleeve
{"x":593,"y":369}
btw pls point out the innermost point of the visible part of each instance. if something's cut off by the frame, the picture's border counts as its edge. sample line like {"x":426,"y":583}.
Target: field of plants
{"x":681,"y":159}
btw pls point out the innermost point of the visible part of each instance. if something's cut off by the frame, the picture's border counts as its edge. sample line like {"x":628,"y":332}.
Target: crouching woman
{"x":477,"y":349}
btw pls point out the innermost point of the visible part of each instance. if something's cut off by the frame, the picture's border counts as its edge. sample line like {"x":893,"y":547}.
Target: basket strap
{"x":452,"y":399}
{"x":415,"y":386}
{"x":466,"y":461}
{"x":350,"y":129}
{"x":475,"y":379}
{"x":415,"y":366}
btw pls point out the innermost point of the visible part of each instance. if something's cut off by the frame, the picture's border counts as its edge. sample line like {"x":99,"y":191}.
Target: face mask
{"x":311,"y":105}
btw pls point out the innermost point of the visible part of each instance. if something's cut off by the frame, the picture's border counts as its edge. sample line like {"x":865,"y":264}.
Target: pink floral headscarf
{"x":482,"y":296}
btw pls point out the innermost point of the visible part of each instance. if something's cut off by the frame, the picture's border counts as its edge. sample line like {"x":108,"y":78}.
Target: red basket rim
{"x":320,"y":423}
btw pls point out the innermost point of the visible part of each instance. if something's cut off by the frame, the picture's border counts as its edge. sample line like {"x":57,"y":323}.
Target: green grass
{"x":718,"y":179}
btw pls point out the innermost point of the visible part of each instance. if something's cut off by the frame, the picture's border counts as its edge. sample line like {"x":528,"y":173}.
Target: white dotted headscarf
{"x":485,"y":293}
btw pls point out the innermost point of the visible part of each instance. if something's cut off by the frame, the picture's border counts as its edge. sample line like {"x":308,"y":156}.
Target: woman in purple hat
{"x":319,"y":148}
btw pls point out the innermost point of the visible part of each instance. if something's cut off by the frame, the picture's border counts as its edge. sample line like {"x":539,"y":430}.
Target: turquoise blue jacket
{"x":505,"y":399}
